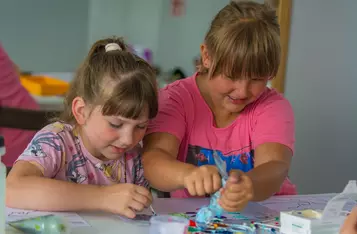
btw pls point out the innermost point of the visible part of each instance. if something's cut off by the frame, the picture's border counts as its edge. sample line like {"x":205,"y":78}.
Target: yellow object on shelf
{"x":44,"y":85}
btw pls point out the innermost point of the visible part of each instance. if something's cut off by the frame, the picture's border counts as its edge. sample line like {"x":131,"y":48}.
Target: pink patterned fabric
{"x":59,"y":150}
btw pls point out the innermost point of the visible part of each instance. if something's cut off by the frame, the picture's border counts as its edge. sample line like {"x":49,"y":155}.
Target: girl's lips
{"x":237,"y":101}
{"x":117,"y":149}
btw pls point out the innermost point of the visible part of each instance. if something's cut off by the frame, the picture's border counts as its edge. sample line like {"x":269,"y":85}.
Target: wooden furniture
{"x":25,"y":119}
{"x":283,"y":10}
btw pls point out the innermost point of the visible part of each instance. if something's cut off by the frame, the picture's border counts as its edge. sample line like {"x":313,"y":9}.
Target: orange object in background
{"x":44,"y":85}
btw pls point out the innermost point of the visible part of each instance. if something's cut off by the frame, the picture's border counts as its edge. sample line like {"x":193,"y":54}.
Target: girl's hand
{"x":203,"y":180}
{"x":125,"y":199}
{"x":237,"y":192}
{"x":350,"y":224}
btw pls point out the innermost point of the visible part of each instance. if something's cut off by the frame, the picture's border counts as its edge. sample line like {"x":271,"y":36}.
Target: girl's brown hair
{"x":119,"y":81}
{"x":243,"y":42}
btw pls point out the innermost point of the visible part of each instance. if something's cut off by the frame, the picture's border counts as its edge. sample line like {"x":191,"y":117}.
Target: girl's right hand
{"x":125,"y":199}
{"x":203,"y":180}
{"x":350,"y":224}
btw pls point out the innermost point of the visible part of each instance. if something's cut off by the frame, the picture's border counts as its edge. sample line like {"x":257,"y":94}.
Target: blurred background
{"x":51,"y":38}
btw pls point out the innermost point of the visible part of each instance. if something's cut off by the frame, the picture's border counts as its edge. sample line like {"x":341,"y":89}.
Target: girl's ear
{"x":79,"y":110}
{"x":206,"y":60}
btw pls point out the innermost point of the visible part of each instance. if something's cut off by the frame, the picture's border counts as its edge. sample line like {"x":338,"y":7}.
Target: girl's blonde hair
{"x":119,"y":81}
{"x":243,"y":42}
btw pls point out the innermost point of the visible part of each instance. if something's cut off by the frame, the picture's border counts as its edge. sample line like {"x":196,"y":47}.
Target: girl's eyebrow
{"x":147,"y":121}
{"x":129,"y":120}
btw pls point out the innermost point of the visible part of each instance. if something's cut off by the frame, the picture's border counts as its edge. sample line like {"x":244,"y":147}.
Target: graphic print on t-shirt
{"x":237,"y":159}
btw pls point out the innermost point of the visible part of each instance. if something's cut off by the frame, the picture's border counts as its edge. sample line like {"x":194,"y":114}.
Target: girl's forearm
{"x":267,"y":179}
{"x":164,"y":172}
{"x":32,"y":192}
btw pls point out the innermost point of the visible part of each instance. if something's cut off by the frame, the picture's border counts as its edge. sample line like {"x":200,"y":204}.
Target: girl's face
{"x":233,"y":96}
{"x":231,"y":93}
{"x":108,"y":137}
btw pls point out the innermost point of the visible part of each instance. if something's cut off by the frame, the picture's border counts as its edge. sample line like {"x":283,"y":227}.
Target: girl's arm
{"x":271,"y":167}
{"x":273,"y":141}
{"x":26,"y":188}
{"x":161,"y":167}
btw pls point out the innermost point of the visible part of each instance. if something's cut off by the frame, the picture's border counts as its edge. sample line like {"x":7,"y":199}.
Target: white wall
{"x":106,"y":18}
{"x":55,"y":35}
{"x":180,"y":37}
{"x":321,"y":85}
{"x":42,"y":35}
{"x":138,"y":21}
{"x":143,"y":23}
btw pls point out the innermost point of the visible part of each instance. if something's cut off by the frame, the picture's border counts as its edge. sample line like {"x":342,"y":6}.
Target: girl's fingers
{"x":142,"y":199}
{"x":136,"y":206}
{"x":129,"y":213}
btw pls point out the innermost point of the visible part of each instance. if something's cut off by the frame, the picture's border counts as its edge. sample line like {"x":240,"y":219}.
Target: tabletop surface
{"x":110,"y":224}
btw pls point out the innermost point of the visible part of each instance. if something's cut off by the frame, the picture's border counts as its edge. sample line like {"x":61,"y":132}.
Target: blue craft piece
{"x":217,"y":209}
{"x":206,"y":214}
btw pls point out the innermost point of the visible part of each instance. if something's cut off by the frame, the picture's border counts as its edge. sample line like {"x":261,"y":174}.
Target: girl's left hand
{"x":237,"y":192}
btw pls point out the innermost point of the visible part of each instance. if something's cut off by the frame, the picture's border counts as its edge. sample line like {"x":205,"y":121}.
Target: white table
{"x":110,"y":224}
{"x":101,"y":224}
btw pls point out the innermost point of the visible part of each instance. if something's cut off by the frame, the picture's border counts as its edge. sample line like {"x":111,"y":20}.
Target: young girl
{"x":90,"y":159}
{"x":226,"y":107}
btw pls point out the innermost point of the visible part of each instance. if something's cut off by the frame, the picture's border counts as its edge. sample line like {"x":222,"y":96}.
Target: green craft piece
{"x":180,"y":215}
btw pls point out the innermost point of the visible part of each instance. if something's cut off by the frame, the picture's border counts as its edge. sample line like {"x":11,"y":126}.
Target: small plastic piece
{"x":49,"y":224}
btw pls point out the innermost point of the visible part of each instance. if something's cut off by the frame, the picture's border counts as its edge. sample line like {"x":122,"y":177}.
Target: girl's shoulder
{"x":268,"y":101}
{"x":60,"y":130}
{"x":58,"y":127}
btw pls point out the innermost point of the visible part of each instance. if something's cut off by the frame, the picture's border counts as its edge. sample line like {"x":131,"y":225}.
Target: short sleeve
{"x":171,"y":115}
{"x":274,"y":122}
{"x":9,"y":77}
{"x":45,"y":149}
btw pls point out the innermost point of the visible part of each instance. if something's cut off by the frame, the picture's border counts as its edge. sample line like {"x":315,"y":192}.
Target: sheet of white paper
{"x":16,"y":214}
{"x":140,"y":219}
{"x":301,"y":202}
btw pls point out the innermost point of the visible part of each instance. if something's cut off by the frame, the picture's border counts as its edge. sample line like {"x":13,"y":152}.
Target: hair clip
{"x":112,"y":46}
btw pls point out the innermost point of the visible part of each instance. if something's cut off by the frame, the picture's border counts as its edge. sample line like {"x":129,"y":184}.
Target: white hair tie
{"x":112,"y":46}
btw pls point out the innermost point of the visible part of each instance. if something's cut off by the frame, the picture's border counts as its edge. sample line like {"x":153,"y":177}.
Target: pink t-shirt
{"x":58,"y":148}
{"x":184,"y":113}
{"x":13,"y":94}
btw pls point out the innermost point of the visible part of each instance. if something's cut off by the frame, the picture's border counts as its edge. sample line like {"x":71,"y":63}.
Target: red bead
{"x":192,"y":223}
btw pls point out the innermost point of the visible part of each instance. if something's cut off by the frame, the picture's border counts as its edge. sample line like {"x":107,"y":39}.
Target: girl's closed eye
{"x":115,"y":125}
{"x":144,"y":126}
